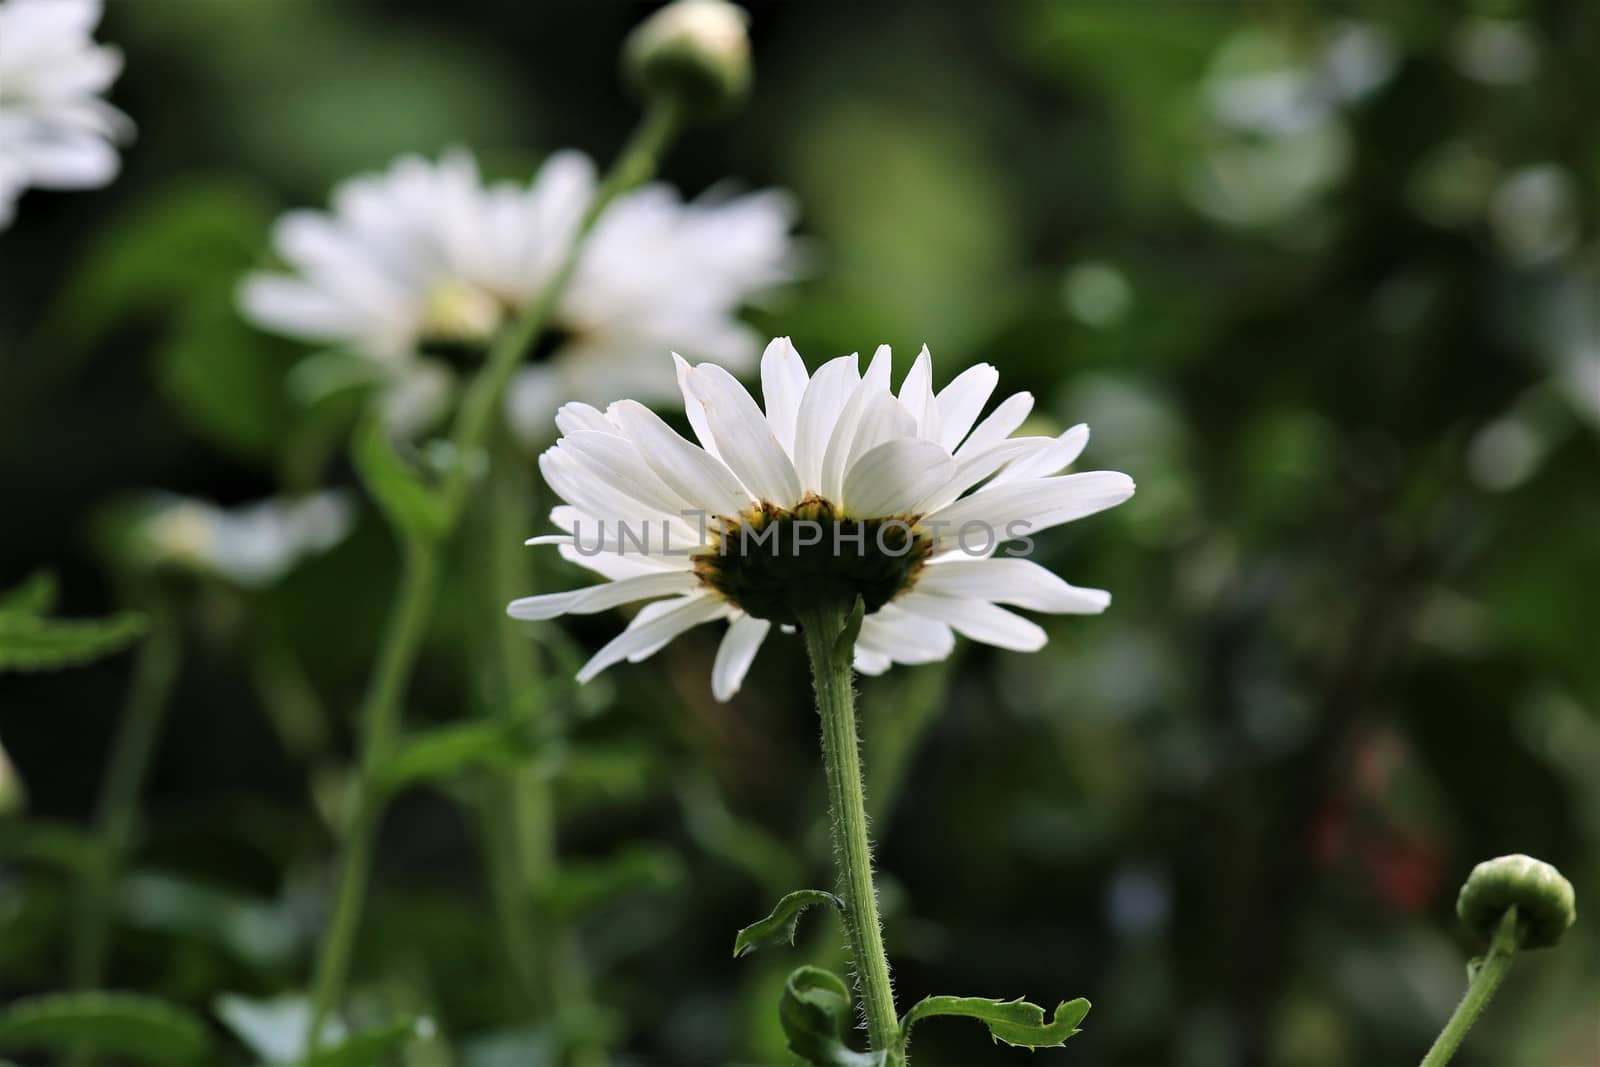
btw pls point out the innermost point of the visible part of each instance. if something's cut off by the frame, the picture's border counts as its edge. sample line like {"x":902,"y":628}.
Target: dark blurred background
{"x":1325,"y":280}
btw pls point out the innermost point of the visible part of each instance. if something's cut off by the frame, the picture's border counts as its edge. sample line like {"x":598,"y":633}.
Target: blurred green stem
{"x":1480,"y":990}
{"x":830,"y":650}
{"x":519,"y":814}
{"x":403,"y":637}
{"x":117,"y":817}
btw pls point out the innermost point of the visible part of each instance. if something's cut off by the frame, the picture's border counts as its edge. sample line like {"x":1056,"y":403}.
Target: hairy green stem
{"x":1480,"y":990}
{"x":824,"y":627}
{"x":403,"y":637}
{"x":117,"y":817}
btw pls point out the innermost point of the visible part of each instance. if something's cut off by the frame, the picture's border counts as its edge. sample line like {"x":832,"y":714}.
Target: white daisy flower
{"x":427,"y":254}
{"x":840,"y":488}
{"x":55,"y":131}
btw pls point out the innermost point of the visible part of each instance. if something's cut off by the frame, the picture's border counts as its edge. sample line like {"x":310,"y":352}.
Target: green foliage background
{"x":1336,"y":336}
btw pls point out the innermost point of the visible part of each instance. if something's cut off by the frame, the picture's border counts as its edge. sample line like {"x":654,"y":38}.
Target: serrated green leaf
{"x":409,"y":503}
{"x":34,"y":596}
{"x":448,"y":751}
{"x":1015,"y":1022}
{"x":815,"y":1013}
{"x":127,"y":1025}
{"x":779,"y":927}
{"x":369,"y":1047}
{"x":29,"y":643}
{"x":581,"y":886}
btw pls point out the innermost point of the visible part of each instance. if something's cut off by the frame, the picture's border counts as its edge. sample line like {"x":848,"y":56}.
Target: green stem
{"x":403,"y":637}
{"x":824,"y":628}
{"x":1479,"y":991}
{"x":118,"y":813}
{"x":380,"y":723}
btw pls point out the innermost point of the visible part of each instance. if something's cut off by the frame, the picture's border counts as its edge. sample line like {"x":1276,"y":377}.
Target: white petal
{"x":893,"y":477}
{"x":600,"y":597}
{"x":1053,"y":459}
{"x":783,"y":385}
{"x":979,"y":620}
{"x":651,"y":632}
{"x":1020,"y":582}
{"x":693,"y":473}
{"x":882,"y":419}
{"x":1024,"y":507}
{"x":961,"y":402}
{"x":574,"y":479}
{"x":691,"y":408}
{"x":615,"y":459}
{"x":744,"y":437}
{"x":906,"y":638}
{"x":973,"y":469}
{"x":825,"y":398}
{"x":1001,"y":423}
{"x":734,"y":656}
{"x":873,"y":663}
{"x":916,"y":393}
{"x":617,"y":561}
{"x":574,"y":416}
{"x":873,"y":386}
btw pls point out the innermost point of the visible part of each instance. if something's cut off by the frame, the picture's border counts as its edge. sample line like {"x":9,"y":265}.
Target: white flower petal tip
{"x":834,"y":485}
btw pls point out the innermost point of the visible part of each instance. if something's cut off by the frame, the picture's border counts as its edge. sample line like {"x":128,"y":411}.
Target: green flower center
{"x":775,"y":559}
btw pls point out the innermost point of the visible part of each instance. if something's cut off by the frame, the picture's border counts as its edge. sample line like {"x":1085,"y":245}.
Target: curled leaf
{"x":846,"y":645}
{"x":779,"y":927}
{"x":410,"y":503}
{"x":1015,"y":1022}
{"x":815,"y":1014}
{"x":35,"y":595}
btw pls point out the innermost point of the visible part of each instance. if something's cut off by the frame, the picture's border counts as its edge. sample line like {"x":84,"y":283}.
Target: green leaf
{"x":779,"y":927}
{"x":581,"y":886}
{"x":35,"y":596}
{"x":409,"y":503}
{"x":126,"y":1025}
{"x":369,"y":1047}
{"x":815,"y":1014}
{"x":448,"y":751}
{"x":29,"y":643}
{"x":1015,"y":1022}
{"x":852,"y":629}
{"x":58,"y":845}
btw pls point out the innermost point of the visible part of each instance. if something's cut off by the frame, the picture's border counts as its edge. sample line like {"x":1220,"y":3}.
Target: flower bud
{"x":695,"y":51}
{"x":1544,"y":900}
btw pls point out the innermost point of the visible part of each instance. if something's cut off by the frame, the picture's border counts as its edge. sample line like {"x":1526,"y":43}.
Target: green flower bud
{"x":696,"y":51}
{"x":1544,"y":900}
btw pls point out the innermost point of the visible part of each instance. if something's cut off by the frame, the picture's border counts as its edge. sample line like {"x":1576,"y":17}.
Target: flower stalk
{"x":830,"y":641}
{"x":1485,"y":980}
{"x":403,"y":636}
{"x":117,"y":818}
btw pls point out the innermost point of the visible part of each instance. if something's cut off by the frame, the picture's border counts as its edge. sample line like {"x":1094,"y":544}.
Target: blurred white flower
{"x":427,"y":252}
{"x":55,"y":131}
{"x":1535,"y":213}
{"x":840,"y":488}
{"x":251,"y":546}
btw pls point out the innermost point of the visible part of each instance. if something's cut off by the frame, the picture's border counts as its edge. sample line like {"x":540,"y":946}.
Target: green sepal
{"x":124,"y":1025}
{"x":407,"y":501}
{"x":35,"y":595}
{"x":779,"y":927}
{"x":31,"y":643}
{"x":1014,"y":1022}
{"x":815,"y":1013}
{"x":446,"y":752}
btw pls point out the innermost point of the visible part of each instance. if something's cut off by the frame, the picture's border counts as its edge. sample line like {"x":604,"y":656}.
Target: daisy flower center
{"x":457,"y":311}
{"x":773,"y":558}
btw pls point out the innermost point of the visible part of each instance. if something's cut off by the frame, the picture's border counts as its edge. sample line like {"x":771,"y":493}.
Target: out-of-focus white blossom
{"x":253,"y":545}
{"x":427,"y":253}
{"x":55,"y":130}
